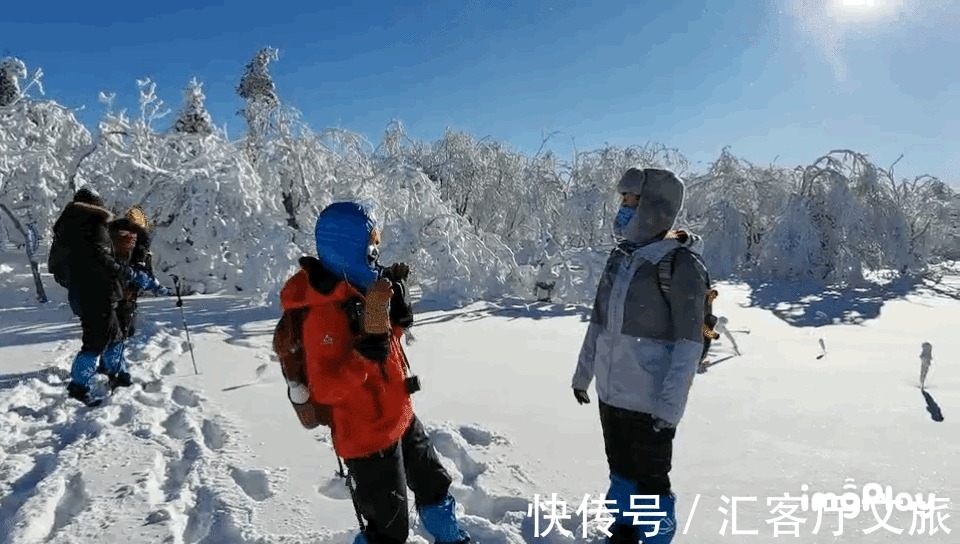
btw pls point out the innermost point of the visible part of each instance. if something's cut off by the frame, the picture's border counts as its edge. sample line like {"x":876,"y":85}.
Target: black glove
{"x":581,"y":396}
{"x":401,"y":313}
{"x":397,"y":272}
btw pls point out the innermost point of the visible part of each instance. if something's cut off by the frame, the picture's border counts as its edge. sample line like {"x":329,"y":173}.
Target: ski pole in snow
{"x":353,"y":494}
{"x":176,"y":284}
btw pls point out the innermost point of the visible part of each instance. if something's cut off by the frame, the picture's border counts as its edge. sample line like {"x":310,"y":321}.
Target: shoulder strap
{"x":288,"y":343}
{"x":665,"y":271}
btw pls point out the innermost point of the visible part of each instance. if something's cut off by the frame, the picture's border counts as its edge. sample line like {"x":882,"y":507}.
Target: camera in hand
{"x":413,"y":384}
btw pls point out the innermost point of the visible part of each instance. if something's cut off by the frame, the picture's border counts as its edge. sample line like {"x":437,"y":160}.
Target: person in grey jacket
{"x":643,"y":346}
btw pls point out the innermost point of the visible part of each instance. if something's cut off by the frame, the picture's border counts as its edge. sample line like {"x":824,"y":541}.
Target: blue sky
{"x":783,"y":80}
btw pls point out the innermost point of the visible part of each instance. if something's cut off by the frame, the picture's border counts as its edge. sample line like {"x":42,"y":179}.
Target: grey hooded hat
{"x":661,"y":195}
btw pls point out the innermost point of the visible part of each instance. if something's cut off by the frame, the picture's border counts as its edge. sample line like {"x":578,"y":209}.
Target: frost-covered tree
{"x":475,"y":218}
{"x":733,"y":205}
{"x":11,"y":71}
{"x":193,"y":117}
{"x":258,"y":91}
{"x":40,"y":144}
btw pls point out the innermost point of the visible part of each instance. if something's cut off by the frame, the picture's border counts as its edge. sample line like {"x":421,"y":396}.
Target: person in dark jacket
{"x":86,"y":264}
{"x":131,"y":240}
{"x":643,"y":347}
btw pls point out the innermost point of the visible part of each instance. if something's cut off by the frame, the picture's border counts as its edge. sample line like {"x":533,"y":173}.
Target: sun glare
{"x":862,"y":10}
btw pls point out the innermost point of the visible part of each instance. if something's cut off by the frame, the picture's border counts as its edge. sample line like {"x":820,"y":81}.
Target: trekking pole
{"x":353,"y":493}
{"x":176,"y":284}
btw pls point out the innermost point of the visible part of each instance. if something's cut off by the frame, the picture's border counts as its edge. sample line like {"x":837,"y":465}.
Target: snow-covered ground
{"x":219,"y":457}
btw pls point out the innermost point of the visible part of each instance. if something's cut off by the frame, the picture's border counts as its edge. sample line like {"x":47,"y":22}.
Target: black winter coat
{"x":95,"y":274}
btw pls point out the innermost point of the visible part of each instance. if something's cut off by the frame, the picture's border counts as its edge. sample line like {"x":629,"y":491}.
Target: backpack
{"x":58,"y":262}
{"x":288,"y":346}
{"x":665,"y":273}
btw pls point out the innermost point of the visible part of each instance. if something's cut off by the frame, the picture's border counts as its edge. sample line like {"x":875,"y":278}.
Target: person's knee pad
{"x":440,"y":520}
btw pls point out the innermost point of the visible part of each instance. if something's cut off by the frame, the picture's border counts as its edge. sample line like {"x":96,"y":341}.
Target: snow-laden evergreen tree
{"x":12,"y":70}
{"x":193,"y":117}
{"x":258,"y":91}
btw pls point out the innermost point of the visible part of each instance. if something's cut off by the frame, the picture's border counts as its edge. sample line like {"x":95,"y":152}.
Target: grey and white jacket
{"x":643,"y":347}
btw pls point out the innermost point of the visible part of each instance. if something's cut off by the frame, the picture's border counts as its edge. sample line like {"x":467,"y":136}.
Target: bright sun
{"x":860,"y":10}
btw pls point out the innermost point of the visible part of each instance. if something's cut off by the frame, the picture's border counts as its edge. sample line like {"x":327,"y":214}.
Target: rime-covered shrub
{"x":40,"y":142}
{"x":474,"y":218}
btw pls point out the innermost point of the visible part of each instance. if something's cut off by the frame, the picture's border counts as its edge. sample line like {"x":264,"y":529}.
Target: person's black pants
{"x":635,"y":451}
{"x":127,"y":316}
{"x":382,"y":479}
{"x":98,"y":321}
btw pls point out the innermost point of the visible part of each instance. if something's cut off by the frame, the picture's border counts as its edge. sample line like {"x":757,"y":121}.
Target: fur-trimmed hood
{"x":90,"y":210}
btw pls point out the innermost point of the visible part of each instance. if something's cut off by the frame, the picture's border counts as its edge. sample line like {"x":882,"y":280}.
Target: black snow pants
{"x":127,"y":316}
{"x":636,"y":451}
{"x":382,"y":479}
{"x":98,"y":321}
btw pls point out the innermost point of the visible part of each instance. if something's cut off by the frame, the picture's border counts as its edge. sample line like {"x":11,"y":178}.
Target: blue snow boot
{"x":115,"y":365}
{"x":84,"y":367}
{"x":82,"y":371}
{"x":667,"y":527}
{"x":360,"y":539}
{"x":633,"y":521}
{"x":440,"y":520}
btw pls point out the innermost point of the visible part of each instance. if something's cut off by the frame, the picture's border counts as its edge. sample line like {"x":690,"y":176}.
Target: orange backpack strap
{"x":288,"y":345}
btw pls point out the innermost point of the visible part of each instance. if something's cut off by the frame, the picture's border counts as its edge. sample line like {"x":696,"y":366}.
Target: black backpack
{"x":665,"y":273}
{"x":58,"y":261}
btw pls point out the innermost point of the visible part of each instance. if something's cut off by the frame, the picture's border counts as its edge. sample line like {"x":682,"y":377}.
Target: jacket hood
{"x":89,"y":211}
{"x":314,"y":284}
{"x":661,"y":195}
{"x":343,"y":233}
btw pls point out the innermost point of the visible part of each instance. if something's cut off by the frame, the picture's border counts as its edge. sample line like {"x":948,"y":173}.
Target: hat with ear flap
{"x":661,"y":194}
{"x":136,"y":216}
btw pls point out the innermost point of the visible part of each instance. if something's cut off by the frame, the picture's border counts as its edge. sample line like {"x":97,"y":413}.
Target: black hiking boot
{"x":82,"y":393}
{"x":121,"y":379}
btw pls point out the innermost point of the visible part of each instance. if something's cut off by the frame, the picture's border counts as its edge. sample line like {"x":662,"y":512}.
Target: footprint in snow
{"x":255,"y":483}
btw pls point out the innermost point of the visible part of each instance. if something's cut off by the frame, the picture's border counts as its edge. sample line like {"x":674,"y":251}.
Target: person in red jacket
{"x":354,"y":364}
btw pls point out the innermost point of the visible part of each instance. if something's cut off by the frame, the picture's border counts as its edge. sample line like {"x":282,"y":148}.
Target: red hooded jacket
{"x":370,"y":406}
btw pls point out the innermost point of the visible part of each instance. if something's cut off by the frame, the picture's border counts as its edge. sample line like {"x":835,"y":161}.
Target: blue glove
{"x":139,"y":278}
